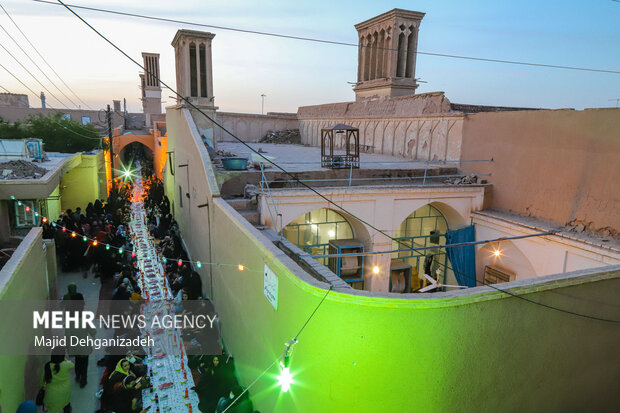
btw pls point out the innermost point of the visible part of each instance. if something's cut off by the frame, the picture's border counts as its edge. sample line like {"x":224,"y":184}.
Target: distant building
{"x":13,"y":100}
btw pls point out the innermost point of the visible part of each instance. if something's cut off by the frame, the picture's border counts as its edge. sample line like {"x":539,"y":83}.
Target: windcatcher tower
{"x":387,"y":54}
{"x":151,"y":88}
{"x":192,"y":52}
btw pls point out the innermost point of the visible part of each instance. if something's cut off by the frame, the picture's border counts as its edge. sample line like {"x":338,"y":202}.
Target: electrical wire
{"x":277,"y":359}
{"x":272,"y":162}
{"x":310,"y":39}
{"x":53,"y":120}
{"x":33,"y":76}
{"x":43,"y":58}
{"x":3,"y":88}
{"x":37,"y":66}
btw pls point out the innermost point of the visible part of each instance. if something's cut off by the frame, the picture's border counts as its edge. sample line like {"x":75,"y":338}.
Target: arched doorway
{"x":312,"y":231}
{"x":426,"y":227}
{"x":136,"y":151}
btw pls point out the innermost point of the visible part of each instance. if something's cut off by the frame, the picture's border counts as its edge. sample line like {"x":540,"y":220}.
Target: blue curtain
{"x":463,"y":259}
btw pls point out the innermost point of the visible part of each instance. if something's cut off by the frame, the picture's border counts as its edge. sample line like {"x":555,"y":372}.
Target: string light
{"x":121,"y":250}
{"x":497,"y":252}
{"x":375,"y":269}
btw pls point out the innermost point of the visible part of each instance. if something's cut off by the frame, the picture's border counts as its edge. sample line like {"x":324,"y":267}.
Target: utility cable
{"x":3,"y":88}
{"x":310,"y":39}
{"x":43,"y":58}
{"x":53,"y":120}
{"x":37,"y":66}
{"x":33,"y":76}
{"x":258,"y":153}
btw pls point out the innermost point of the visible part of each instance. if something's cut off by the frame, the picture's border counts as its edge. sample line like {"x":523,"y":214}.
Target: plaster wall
{"x":39,"y":188}
{"x":252,"y":127}
{"x":81,"y":184}
{"x":359,"y":347}
{"x":560,"y":165}
{"x":382,"y":207}
{"x":23,"y":277}
{"x":191,"y":187}
{"x":537,"y":256}
{"x":420,"y":127}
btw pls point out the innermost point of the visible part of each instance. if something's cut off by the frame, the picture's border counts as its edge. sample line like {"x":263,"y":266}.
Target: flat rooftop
{"x":595,"y":238}
{"x":304,"y":162}
{"x":300,"y":158}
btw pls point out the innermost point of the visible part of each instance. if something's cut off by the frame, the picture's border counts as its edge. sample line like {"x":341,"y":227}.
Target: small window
{"x":24,"y":214}
{"x":180,"y":197}
{"x":493,"y":275}
{"x":86,"y":120}
{"x":66,"y":116}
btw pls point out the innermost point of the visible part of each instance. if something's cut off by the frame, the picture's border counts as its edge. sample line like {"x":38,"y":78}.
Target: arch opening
{"x":426,"y":227}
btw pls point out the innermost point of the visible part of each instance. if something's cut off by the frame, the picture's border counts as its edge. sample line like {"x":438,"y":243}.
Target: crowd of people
{"x":126,"y":372}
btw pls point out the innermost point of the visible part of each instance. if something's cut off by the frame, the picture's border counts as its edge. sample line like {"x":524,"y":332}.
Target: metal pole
{"x":109,"y":120}
{"x":462,"y":244}
{"x":262,"y":105}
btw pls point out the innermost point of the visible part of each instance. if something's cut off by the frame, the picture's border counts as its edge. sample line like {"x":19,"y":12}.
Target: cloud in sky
{"x":294,"y":73}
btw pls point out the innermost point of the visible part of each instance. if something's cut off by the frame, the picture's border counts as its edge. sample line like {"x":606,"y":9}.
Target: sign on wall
{"x":270,"y":286}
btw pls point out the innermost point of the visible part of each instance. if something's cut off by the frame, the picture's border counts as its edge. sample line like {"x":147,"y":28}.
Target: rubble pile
{"x":463,"y":180}
{"x":20,"y":170}
{"x":282,"y":136}
{"x":225,"y":154}
{"x":578,"y":226}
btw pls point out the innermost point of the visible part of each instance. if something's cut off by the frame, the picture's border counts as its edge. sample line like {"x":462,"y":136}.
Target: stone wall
{"x":421,"y":127}
{"x":252,"y":127}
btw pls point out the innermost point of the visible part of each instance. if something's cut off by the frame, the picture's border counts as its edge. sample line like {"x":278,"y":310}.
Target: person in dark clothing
{"x":209,"y":388}
{"x":128,"y":395}
{"x":74,"y":301}
{"x":192,"y":284}
{"x":98,"y":207}
{"x":238,"y":399}
{"x":90,"y":211}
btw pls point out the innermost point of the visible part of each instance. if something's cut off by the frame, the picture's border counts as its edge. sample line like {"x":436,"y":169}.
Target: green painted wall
{"x":81,"y":185}
{"x":476,"y":351}
{"x":23,"y":279}
{"x":54,"y":205}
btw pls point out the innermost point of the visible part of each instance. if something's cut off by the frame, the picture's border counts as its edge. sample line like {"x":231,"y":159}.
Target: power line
{"x":33,"y":76}
{"x":310,"y":39}
{"x":53,"y":120}
{"x":7,"y":90}
{"x":278,"y":166}
{"x":45,"y":60}
{"x":37,"y":66}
